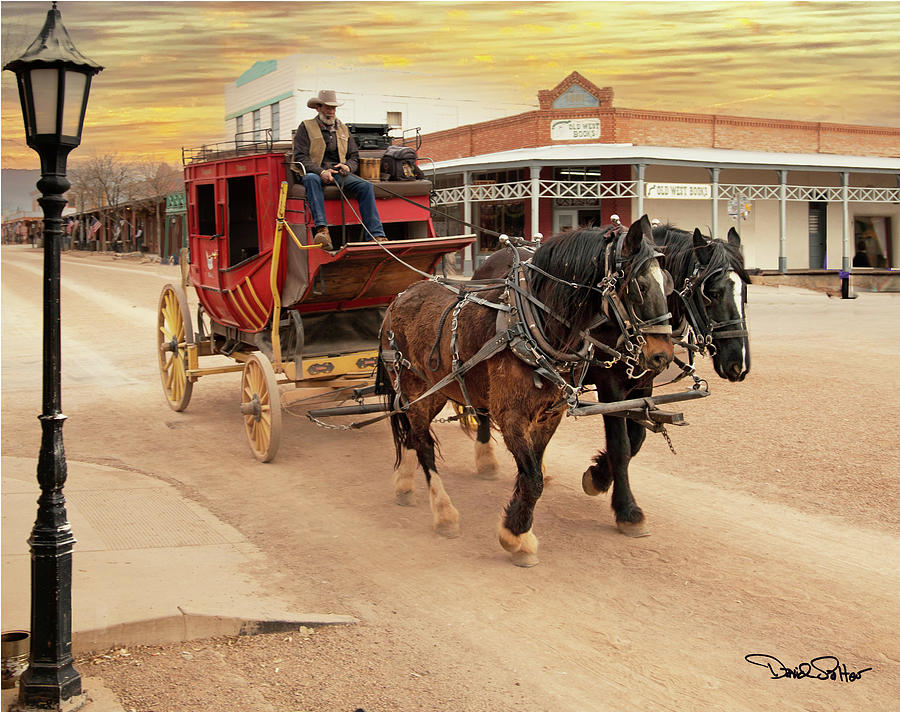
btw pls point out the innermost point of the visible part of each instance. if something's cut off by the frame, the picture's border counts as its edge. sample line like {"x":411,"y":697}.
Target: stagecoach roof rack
{"x":246,"y":143}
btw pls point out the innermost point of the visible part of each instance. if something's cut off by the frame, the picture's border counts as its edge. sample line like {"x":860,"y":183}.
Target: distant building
{"x":272,"y":94}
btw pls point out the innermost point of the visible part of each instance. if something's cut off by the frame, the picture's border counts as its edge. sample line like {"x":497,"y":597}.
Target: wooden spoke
{"x":261,"y":407}
{"x":173,"y":334}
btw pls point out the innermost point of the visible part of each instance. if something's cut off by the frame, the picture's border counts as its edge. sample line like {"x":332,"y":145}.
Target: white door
{"x":564,"y":220}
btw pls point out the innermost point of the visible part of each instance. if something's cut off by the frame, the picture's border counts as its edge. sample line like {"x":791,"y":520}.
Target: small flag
{"x":95,"y":226}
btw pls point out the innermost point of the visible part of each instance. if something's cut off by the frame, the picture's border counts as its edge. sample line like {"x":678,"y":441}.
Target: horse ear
{"x":639,"y":231}
{"x":733,"y":237}
{"x":701,"y":247}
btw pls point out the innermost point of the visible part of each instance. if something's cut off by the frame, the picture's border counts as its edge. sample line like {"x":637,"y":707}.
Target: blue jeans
{"x":353,"y":185}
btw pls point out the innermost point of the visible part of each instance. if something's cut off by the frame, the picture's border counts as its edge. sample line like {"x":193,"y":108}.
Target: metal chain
{"x":665,"y":434}
{"x":328,"y":426}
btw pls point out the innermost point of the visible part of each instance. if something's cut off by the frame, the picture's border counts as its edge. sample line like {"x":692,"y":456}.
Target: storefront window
{"x":506,"y":218}
{"x":872,"y":244}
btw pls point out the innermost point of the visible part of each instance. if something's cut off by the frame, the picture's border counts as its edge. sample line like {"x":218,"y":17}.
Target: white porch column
{"x":782,"y":221}
{"x":845,"y":221}
{"x":535,"y":201}
{"x":641,"y":170}
{"x":468,"y":256}
{"x":714,"y":180}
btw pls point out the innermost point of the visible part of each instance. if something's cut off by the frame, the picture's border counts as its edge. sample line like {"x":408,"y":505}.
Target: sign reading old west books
{"x":682,"y":191}
{"x":574,"y":129}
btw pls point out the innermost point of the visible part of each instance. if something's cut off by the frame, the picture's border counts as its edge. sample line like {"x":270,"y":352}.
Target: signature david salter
{"x":826,"y":667}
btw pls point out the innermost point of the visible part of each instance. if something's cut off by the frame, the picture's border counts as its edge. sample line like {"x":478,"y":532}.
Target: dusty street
{"x":775,"y":529}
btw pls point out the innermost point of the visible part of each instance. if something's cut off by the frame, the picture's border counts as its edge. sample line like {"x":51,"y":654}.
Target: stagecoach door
{"x":210,"y":232}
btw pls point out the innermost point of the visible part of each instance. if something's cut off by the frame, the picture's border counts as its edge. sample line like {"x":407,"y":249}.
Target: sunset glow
{"x":167,"y":63}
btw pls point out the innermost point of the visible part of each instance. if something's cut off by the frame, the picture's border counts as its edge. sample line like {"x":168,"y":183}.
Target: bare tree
{"x":155,"y":179}
{"x":104,"y":182}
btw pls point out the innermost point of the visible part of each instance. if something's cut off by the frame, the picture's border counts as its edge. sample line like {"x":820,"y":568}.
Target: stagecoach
{"x":271,"y":303}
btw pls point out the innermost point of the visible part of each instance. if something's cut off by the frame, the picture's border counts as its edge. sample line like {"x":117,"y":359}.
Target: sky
{"x":167,"y":63}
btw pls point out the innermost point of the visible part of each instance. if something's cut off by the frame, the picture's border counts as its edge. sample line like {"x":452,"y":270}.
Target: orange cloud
{"x":167,"y":62}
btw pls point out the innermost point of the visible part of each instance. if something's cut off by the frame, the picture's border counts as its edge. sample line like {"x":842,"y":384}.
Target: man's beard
{"x":327,"y":120}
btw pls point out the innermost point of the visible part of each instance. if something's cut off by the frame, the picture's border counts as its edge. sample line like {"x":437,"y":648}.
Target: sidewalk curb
{"x":195,"y":626}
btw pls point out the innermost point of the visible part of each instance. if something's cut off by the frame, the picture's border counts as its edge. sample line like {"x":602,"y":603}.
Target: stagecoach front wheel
{"x":173,"y":334}
{"x":261,"y":407}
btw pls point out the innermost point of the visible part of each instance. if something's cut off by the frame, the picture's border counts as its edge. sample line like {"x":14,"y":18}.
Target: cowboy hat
{"x":325,"y":96}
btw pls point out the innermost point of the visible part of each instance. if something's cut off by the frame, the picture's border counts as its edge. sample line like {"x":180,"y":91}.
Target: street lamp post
{"x":54,"y":81}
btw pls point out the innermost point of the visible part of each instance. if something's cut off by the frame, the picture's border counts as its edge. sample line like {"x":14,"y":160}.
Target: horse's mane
{"x":576,"y":256}
{"x":679,"y":256}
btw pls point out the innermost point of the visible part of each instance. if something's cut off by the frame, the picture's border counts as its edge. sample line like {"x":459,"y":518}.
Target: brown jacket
{"x":309,"y":147}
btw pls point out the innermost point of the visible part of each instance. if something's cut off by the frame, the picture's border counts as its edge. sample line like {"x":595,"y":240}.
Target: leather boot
{"x":323,"y":238}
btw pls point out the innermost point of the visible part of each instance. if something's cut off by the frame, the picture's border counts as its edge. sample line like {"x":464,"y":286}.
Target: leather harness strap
{"x":519,"y":329}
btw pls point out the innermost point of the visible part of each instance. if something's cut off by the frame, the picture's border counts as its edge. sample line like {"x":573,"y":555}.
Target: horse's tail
{"x":400,"y":426}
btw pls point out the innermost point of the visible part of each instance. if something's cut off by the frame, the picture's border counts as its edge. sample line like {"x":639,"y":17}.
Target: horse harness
{"x":519,"y":328}
{"x":705,"y":328}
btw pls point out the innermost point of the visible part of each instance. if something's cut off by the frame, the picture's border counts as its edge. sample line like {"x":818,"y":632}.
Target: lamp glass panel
{"x":26,"y":107}
{"x":44,"y":86}
{"x":75,"y":82}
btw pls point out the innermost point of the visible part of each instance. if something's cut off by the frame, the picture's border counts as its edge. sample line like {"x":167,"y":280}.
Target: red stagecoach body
{"x":263,"y":285}
{"x":232,"y":210}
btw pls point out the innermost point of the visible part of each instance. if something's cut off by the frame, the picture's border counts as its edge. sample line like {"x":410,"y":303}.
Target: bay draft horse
{"x":707,"y":305}
{"x":573,"y":279}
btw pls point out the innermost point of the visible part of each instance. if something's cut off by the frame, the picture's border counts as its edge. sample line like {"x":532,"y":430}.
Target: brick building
{"x":804,"y":195}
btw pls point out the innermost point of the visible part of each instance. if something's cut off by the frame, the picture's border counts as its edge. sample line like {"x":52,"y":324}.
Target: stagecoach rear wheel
{"x":173,"y":334}
{"x":261,"y":407}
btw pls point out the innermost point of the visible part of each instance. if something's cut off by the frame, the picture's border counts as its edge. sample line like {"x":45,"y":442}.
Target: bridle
{"x":695,"y":301}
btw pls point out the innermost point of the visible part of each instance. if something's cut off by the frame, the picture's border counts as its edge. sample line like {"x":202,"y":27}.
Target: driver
{"x":328,"y":153}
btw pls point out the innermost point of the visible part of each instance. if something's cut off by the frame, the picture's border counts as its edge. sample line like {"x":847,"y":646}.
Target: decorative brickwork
{"x":547,"y":97}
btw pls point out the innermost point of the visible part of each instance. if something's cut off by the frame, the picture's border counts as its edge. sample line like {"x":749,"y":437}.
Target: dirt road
{"x":775,"y":530}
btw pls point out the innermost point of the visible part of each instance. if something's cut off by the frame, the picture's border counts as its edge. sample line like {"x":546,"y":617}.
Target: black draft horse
{"x":709,"y":297}
{"x":575,"y":277}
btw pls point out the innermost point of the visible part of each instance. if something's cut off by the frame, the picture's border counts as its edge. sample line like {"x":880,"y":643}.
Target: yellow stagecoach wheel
{"x":173,"y":334}
{"x":261,"y":407}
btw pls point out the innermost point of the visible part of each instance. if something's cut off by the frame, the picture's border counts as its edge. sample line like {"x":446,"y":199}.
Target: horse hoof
{"x":525,"y":559}
{"x":587,"y":484}
{"x":448,"y":530}
{"x":634,"y":529}
{"x":404,"y":499}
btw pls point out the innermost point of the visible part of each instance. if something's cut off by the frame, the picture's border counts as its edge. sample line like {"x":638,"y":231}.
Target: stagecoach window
{"x":206,"y":209}
{"x":243,"y":236}
{"x":395,"y":119}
